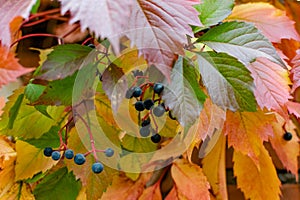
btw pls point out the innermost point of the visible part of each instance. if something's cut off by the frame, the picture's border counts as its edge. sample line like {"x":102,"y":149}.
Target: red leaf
{"x":271,"y":85}
{"x":296,"y":72}
{"x":9,"y":10}
{"x":10,"y":69}
{"x":293,"y":108}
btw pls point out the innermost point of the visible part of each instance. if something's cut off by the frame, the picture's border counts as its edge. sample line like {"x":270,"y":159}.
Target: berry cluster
{"x":150,"y":107}
{"x":79,"y":158}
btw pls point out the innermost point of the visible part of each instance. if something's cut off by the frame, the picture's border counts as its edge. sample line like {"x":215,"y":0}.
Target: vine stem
{"x":62,"y":143}
{"x":59,"y":39}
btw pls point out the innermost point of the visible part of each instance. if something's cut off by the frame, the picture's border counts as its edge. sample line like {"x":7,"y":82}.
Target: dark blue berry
{"x":69,"y":154}
{"x":158,"y":88}
{"x":97,"y":167}
{"x":137,"y":92}
{"x":139,"y":106}
{"x":287,"y":136}
{"x":79,"y":159}
{"x":48,"y":151}
{"x":145,"y":122}
{"x":109,"y":152}
{"x":159,"y":110}
{"x":148,"y":103}
{"x":155,"y":138}
{"x":55,"y":155}
{"x":145,"y":131}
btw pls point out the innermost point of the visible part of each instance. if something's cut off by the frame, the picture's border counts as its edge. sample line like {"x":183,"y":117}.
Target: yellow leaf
{"x":287,"y":151}
{"x":247,"y":130}
{"x":30,"y":160}
{"x":259,"y":183}
{"x":214,"y":168}
{"x":190,"y":181}
{"x":18,"y":191}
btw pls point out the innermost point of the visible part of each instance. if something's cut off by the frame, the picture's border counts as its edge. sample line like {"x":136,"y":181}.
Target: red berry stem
{"x":59,"y":39}
{"x":63,"y":145}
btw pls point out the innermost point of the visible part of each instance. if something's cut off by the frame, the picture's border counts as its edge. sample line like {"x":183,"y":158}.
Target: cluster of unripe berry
{"x":79,"y":158}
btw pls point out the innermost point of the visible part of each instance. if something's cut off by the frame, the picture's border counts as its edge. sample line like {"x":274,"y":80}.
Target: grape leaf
{"x":296,"y":72}
{"x":247,"y":130}
{"x":287,"y":151}
{"x":228,"y":81}
{"x":10,"y":10}
{"x":10,"y":69}
{"x":114,"y":84}
{"x":107,"y":19}
{"x":63,"y":61}
{"x":160,"y":33}
{"x":241,"y":40}
{"x":271,"y":85}
{"x":138,"y":145}
{"x":256,"y":182}
{"x":214,"y":168}
{"x":33,"y":91}
{"x":35,"y":161}
{"x":261,"y":14}
{"x":58,"y":183}
{"x":190,"y":181}
{"x":183,"y":95}
{"x":211,"y":12}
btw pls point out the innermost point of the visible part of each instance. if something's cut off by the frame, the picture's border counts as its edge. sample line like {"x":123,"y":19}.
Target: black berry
{"x":155,"y":138}
{"x":97,"y":168}
{"x":139,"y":106}
{"x":109,"y":152}
{"x":159,"y":110}
{"x":148,"y":103}
{"x":91,"y":46}
{"x":287,"y":136}
{"x":145,"y":131}
{"x":145,"y":122}
{"x":55,"y":155}
{"x":158,"y":88}
{"x":69,"y":153}
{"x":137,"y":92}
{"x":79,"y":159}
{"x":48,"y":151}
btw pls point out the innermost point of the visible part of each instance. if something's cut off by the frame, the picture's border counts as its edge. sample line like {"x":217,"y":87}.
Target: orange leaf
{"x":271,"y":85}
{"x":247,"y":130}
{"x":172,"y":195}
{"x":214,"y":168}
{"x":259,"y":183}
{"x":152,"y":192}
{"x":287,"y":151}
{"x":11,"y":9}
{"x":10,"y":69}
{"x":190,"y":181}
{"x":268,"y":19}
{"x":293,"y":108}
{"x":2,"y":104}
{"x":296,"y":72}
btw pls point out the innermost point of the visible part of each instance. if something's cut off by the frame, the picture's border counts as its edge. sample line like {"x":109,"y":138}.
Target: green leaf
{"x":63,"y":61}
{"x":59,"y":185}
{"x":43,"y":109}
{"x":228,"y":81}
{"x":48,"y":139}
{"x":33,"y":91}
{"x":214,"y":11}
{"x":183,"y":95}
{"x":138,"y":145}
{"x":13,"y":112}
{"x":35,"y":7}
{"x":241,"y":40}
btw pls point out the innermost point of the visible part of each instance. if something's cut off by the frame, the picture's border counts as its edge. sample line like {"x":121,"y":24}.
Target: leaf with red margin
{"x":287,"y":151}
{"x":271,"y":81}
{"x":9,"y":10}
{"x":10,"y":69}
{"x":247,"y":130}
{"x":189,"y":180}
{"x":256,"y":181}
{"x":159,"y":29}
{"x":261,"y":14}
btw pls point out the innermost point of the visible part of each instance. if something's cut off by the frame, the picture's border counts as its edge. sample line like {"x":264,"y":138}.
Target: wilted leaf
{"x":30,"y":161}
{"x":228,"y":81}
{"x":212,"y":12}
{"x":214,"y":168}
{"x":287,"y":151}
{"x":183,"y":95}
{"x":256,"y":181}
{"x":10,"y":69}
{"x":271,"y":85}
{"x":241,"y":40}
{"x":60,"y":184}
{"x":10,"y":10}
{"x":261,"y":14}
{"x":247,"y":130}
{"x":190,"y":181}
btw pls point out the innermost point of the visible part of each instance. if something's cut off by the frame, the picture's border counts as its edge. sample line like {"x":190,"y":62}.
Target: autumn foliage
{"x":231,"y":76}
